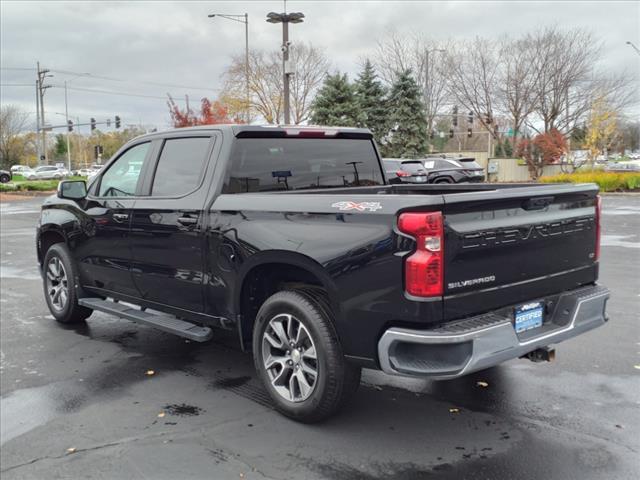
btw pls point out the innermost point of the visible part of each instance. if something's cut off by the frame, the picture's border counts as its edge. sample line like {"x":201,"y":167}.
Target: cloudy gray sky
{"x":138,"y":45}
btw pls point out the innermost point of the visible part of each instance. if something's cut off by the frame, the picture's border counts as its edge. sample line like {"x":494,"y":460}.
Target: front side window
{"x":273,"y":164}
{"x":121,"y":179}
{"x":180,"y":166}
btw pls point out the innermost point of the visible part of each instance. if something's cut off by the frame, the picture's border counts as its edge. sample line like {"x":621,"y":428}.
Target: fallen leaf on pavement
{"x":454,"y":410}
{"x":71,"y":450}
{"x":637,"y":367}
{"x":161,"y":414}
{"x":482,"y":384}
{"x":150,"y":372}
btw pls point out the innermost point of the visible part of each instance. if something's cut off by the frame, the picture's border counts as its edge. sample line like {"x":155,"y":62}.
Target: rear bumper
{"x":462,"y":347}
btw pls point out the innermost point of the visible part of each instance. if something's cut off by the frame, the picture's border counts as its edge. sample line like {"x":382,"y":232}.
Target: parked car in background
{"x":400,"y":170}
{"x":631,"y":166}
{"x":20,"y":169}
{"x":94,"y":170}
{"x":85,"y":172}
{"x":450,"y":170}
{"x":5,"y":176}
{"x":47,"y":172}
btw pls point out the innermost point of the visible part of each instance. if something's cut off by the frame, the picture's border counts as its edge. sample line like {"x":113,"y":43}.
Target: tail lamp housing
{"x":424,"y":268}
{"x":402,"y":173}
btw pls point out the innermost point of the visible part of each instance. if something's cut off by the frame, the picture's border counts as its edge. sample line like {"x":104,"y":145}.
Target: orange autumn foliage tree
{"x":545,"y":149}
{"x":210,"y":113}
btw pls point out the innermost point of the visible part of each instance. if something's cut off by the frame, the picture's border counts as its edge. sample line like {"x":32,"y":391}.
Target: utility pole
{"x":285,"y":18}
{"x":42,"y":74}
{"x":38,"y":122}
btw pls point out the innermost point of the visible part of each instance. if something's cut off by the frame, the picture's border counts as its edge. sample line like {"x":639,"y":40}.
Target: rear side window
{"x":412,"y":166}
{"x":274,"y":164}
{"x":179,"y":169}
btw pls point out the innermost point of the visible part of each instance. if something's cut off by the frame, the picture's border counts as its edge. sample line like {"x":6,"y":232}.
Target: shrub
{"x":607,"y":181}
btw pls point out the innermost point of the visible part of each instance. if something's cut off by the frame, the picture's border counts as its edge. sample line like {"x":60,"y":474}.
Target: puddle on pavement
{"x":21,"y":273}
{"x":619,"y":241}
{"x":24,"y":410}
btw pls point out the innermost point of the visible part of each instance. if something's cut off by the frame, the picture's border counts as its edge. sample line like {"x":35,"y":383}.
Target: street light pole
{"x":242,"y":19}
{"x":66,"y":116}
{"x":634,"y":47}
{"x":285,"y":19}
{"x":285,"y":73}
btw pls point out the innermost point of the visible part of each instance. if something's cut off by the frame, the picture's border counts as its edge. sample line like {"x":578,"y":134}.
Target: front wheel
{"x":298,"y":356}
{"x":59,"y":286}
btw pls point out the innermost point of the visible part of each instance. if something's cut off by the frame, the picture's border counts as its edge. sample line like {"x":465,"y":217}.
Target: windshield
{"x":272,"y":164}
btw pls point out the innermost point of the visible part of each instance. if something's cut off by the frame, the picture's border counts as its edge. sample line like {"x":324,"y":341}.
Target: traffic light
{"x":93,"y":124}
{"x":455,"y":116}
{"x":470,"y":119}
{"x":117,"y":121}
{"x":469,"y":132}
{"x":69,"y":126}
{"x":451,"y":133}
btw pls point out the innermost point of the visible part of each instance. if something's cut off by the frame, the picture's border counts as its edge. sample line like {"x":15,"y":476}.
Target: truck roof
{"x":244,"y":131}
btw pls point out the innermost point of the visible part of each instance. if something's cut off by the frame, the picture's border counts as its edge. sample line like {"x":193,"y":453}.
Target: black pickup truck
{"x":294,"y":238}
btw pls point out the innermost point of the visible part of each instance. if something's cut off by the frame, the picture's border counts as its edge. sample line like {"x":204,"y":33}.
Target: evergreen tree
{"x":409,"y":136}
{"x":336,"y":103}
{"x":372,"y":102}
{"x":498,"y":151}
{"x":507,"y":148}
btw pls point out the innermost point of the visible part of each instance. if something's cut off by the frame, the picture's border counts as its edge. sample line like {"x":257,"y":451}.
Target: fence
{"x":505,"y":169}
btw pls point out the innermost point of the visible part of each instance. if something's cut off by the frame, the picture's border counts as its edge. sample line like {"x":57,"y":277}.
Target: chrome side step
{"x":166,"y":323}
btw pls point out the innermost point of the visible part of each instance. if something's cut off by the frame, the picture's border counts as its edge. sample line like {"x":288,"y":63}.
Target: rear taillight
{"x":598,"y":227}
{"x":424,"y":269}
{"x":402,"y":173}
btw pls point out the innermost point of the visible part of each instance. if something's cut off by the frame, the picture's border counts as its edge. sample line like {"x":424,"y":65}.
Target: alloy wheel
{"x":289,"y":358}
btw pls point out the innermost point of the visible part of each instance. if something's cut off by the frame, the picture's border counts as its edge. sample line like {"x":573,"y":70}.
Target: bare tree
{"x":397,"y":53}
{"x":518,"y":79}
{"x":266,"y":83}
{"x":13,"y":122}
{"x":473,"y":78}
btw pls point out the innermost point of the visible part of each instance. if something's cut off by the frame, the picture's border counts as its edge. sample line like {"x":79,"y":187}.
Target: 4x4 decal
{"x":360,"y":207}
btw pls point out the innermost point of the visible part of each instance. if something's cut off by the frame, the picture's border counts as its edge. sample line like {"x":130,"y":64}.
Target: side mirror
{"x":72,"y":189}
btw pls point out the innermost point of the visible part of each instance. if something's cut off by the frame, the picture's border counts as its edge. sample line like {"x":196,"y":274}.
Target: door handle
{"x":120,"y":217}
{"x":187,"y":220}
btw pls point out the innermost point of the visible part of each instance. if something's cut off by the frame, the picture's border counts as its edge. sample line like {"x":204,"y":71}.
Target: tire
{"x":443,"y":180}
{"x":4,"y":178}
{"x":59,"y":275}
{"x":335,"y":378}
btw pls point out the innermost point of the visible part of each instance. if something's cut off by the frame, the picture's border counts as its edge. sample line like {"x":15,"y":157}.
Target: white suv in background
{"x":47,"y":172}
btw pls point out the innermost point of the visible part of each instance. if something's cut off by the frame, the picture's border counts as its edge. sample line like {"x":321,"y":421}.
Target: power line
{"x":16,"y":85}
{"x":143,"y":82}
{"x":18,"y":68}
{"x":111,"y":92}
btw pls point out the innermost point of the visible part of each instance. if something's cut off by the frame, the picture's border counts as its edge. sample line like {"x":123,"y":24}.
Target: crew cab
{"x":293,"y":238}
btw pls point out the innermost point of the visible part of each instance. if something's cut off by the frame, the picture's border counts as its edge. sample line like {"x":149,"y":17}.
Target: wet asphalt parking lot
{"x":78,"y":402}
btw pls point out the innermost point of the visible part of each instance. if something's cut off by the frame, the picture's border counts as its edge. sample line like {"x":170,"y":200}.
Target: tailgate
{"x":519,"y":245}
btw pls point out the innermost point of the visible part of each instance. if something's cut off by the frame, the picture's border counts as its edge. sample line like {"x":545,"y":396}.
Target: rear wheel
{"x":4,"y":178}
{"x":443,"y":180}
{"x":59,"y":286}
{"x":298,"y":357}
